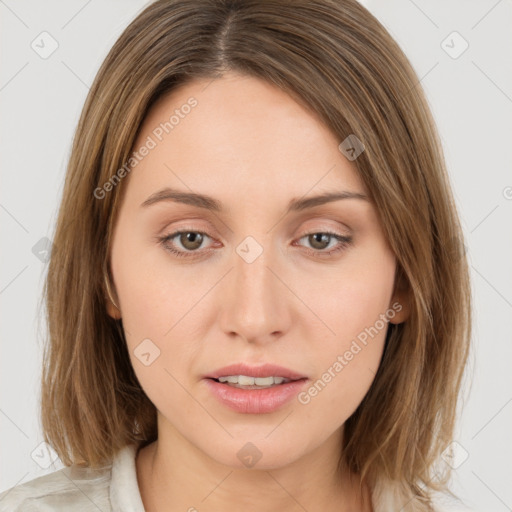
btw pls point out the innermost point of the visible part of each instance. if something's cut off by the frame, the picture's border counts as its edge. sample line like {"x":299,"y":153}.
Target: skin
{"x":254,"y":148}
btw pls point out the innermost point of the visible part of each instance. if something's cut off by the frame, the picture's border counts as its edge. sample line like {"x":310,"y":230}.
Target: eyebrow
{"x":209,"y":203}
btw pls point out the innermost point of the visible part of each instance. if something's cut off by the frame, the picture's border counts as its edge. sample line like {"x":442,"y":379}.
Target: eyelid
{"x":207,"y":230}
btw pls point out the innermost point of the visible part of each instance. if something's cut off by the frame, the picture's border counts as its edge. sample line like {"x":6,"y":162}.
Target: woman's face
{"x":257,"y":281}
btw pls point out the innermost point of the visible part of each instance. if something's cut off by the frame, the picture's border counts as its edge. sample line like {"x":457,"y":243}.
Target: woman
{"x":257,"y":297}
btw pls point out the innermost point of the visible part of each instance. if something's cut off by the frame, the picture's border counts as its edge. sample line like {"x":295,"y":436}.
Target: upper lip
{"x":265,"y":370}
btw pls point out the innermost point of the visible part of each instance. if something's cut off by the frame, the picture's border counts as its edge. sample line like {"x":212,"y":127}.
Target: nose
{"x":254,"y":302}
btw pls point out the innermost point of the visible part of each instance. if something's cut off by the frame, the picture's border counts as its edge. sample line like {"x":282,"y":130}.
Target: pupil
{"x":190,"y":238}
{"x":320,"y":242}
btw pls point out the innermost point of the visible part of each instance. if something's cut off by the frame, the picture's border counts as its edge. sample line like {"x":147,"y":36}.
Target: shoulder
{"x":77,"y":488}
{"x":73,"y":488}
{"x":389,"y":495}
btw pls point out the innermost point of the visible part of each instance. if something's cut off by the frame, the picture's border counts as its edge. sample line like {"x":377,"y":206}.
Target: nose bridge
{"x":256,"y":307}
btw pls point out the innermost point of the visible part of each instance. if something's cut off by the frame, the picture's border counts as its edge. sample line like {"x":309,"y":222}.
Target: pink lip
{"x":255,"y":401}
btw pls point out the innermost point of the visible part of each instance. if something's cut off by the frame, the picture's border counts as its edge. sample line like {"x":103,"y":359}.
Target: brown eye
{"x":319,"y":240}
{"x":184,"y":243}
{"x":320,"y":243}
{"x":191,"y":240}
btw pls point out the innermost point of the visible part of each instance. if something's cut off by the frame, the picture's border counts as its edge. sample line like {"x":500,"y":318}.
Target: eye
{"x":186,"y":243}
{"x":190,"y":241}
{"x":321,"y":240}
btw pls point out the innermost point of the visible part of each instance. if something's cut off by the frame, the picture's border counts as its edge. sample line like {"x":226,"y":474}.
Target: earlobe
{"x":400,"y":302}
{"x":400,"y":306}
{"x":113,"y":309}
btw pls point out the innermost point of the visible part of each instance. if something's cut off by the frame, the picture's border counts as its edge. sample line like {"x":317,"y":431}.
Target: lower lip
{"x":255,"y":401}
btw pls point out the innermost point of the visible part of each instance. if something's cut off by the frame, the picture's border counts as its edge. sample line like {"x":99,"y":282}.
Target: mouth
{"x":266,"y":375}
{"x":256,"y":389}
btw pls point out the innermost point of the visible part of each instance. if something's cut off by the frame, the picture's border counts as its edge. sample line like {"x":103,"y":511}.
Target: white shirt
{"x":113,"y":488}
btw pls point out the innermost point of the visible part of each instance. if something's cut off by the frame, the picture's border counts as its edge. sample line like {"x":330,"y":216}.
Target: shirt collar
{"x":124,"y":488}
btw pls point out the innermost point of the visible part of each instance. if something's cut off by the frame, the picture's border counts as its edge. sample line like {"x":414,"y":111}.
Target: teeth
{"x":244,"y":380}
{"x":264,"y":381}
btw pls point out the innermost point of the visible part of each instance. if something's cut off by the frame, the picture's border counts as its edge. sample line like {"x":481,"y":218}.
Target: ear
{"x":401,"y":300}
{"x":111,"y":300}
{"x":112,"y":310}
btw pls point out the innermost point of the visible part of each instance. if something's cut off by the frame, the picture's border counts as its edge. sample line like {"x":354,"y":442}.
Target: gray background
{"x":471,"y":98}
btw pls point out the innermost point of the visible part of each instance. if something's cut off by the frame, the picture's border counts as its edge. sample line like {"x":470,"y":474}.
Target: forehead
{"x":242,"y":132}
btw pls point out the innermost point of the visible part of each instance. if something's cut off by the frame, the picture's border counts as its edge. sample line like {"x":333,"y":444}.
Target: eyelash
{"x":344,"y":242}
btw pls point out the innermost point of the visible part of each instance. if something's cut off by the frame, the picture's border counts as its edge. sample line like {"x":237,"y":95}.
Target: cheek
{"x":353,"y":303}
{"x":352,"y":298}
{"x":143,"y":305}
{"x":154,"y":312}
{"x":158,"y":312}
{"x":150,"y":289}
{"x":346,"y":367}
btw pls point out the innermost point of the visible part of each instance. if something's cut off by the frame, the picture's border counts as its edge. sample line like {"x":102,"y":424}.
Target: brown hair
{"x":337,"y":59}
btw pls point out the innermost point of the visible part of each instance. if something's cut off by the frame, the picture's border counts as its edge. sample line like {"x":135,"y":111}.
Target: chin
{"x":258,"y":453}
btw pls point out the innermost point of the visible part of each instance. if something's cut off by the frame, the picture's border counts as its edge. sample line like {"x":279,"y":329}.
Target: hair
{"x":337,"y":59}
